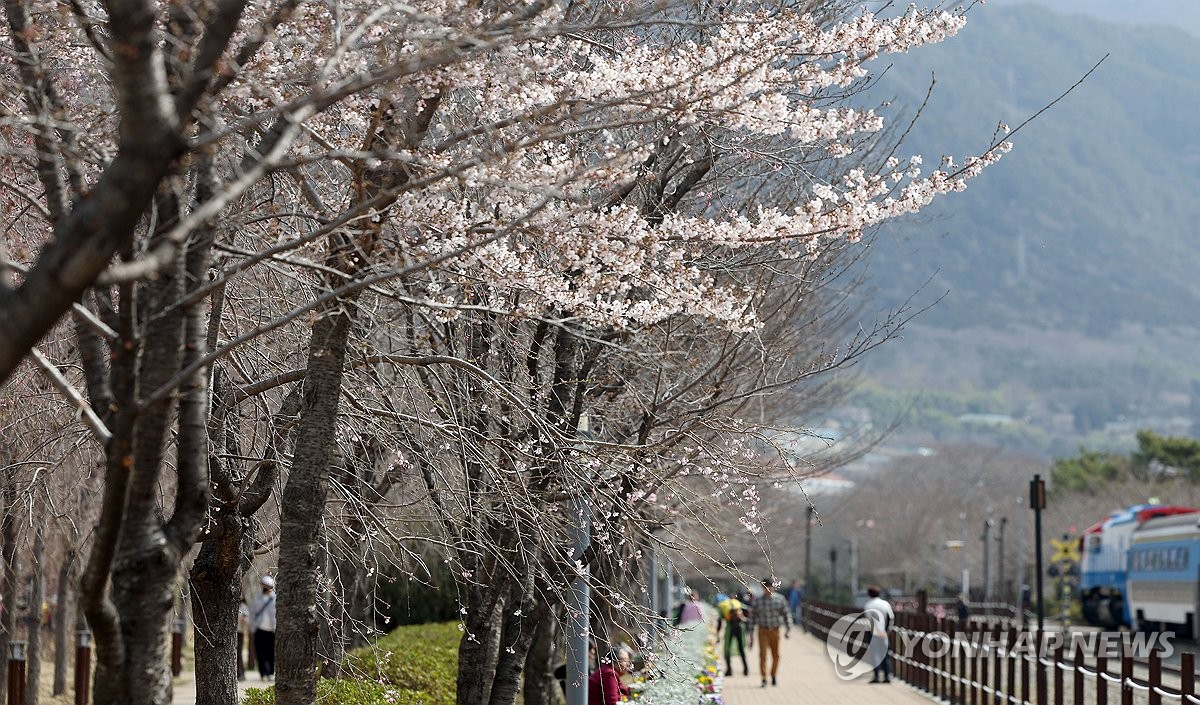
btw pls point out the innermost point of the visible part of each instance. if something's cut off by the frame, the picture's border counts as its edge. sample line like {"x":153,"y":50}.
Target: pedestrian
{"x":690,"y":611}
{"x":964,"y":610}
{"x":769,"y":616}
{"x":795,"y":595}
{"x":243,"y":628}
{"x":262,"y":619}
{"x":733,"y":616}
{"x":604,"y":685}
{"x":879,"y":612}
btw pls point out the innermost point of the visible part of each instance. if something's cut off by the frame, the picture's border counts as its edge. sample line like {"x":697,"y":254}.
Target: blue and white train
{"x":1140,"y":567}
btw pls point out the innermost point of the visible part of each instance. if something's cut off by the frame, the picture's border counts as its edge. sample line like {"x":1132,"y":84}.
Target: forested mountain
{"x":1091,"y":222}
{"x":1184,"y":14}
{"x":1070,"y":271}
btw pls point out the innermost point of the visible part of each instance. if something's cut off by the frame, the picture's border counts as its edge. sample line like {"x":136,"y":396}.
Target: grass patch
{"x":413,"y":665}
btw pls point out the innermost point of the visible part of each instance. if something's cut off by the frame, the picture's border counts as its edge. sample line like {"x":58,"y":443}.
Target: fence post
{"x":952,"y":661}
{"x":1187,"y":675}
{"x":16,"y":673}
{"x":177,"y":648}
{"x":931,"y":639}
{"x":83,"y":666}
{"x":1126,"y":676}
{"x":985,"y":656}
{"x":1010,"y":664}
{"x":1039,"y":667}
{"x":1155,"y":678}
{"x":939,"y":673}
{"x":1058,"y":674}
{"x":963,"y":668}
{"x":1078,"y":673}
{"x":1101,"y":681}
{"x":973,"y":651}
{"x":925,"y":661}
{"x":1025,"y":699}
{"x":997,"y":663}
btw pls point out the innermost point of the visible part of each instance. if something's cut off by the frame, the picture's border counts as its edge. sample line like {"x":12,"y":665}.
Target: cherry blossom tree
{"x":479,"y":220}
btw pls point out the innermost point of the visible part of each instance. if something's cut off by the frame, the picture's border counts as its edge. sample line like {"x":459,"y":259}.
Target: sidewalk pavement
{"x":185,"y":687}
{"x":806,"y":676}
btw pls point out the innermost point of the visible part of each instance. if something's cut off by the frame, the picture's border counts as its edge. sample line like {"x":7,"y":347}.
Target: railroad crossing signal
{"x":1066,"y":550}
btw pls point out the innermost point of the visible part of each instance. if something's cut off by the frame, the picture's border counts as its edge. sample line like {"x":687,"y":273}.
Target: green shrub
{"x":413,"y":665}
{"x":339,"y":692}
{"x":422,"y":657}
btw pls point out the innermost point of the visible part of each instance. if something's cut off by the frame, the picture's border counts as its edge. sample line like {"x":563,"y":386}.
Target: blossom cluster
{"x":687,"y":670}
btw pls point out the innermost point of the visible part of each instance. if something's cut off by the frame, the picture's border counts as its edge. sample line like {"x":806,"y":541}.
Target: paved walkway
{"x":185,"y":687}
{"x":806,"y":677}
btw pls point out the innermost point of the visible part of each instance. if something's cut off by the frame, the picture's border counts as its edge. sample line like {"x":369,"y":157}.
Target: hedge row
{"x":413,"y":665}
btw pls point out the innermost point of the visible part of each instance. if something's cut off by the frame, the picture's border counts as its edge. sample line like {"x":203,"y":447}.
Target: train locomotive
{"x":1140,"y":567}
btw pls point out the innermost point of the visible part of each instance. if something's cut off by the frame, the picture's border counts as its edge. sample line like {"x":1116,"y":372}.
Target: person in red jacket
{"x":604,"y":685}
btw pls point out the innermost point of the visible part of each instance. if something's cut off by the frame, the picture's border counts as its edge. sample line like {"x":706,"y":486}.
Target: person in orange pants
{"x":770,"y":614}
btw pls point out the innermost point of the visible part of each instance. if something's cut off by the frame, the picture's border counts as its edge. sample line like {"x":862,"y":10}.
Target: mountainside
{"x":1184,"y":14}
{"x":1070,"y":269}
{"x":1091,"y":222}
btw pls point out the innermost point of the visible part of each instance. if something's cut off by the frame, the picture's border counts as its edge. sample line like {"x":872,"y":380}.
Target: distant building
{"x":829,"y":483}
{"x":985,"y":419}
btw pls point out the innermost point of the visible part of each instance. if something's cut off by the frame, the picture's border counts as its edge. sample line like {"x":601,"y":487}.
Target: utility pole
{"x":1037,"y":502}
{"x":942,"y":548}
{"x":832,"y":573}
{"x":1007,"y":594}
{"x":853,"y":567}
{"x":1021,"y":538}
{"x":808,"y":586}
{"x":669,"y":600}
{"x":579,"y":604}
{"x":987,"y":560}
{"x":962,"y":559}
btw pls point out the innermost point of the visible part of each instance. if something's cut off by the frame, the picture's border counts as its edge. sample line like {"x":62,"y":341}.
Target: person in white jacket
{"x":880,"y":613}
{"x":262,"y":621}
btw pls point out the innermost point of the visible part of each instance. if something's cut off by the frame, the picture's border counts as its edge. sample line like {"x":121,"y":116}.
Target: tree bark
{"x":37,"y":596}
{"x":541,"y":687}
{"x":303,"y":504}
{"x":479,"y":652}
{"x":64,"y":618}
{"x":216,"y":594}
{"x":12,"y":572}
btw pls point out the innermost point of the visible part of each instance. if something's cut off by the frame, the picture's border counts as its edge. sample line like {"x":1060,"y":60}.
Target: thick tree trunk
{"x":541,"y":687}
{"x":37,"y":596}
{"x":521,"y":612}
{"x":64,"y":619}
{"x":478,"y":654}
{"x":12,"y":571}
{"x":303,"y":504}
{"x":332,"y":617}
{"x":216,"y":594}
{"x":143,"y":592}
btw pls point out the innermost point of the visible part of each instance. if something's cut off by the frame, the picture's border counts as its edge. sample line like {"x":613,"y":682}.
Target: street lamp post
{"x":941,"y":589}
{"x":987,"y":560}
{"x":853,"y":566}
{"x":832,"y":573}
{"x":808,"y":551}
{"x":962,"y":559}
{"x":1006,"y":593}
{"x":579,"y":600}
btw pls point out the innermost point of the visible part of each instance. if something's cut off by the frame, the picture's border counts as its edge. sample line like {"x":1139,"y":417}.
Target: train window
{"x":1093,"y":543}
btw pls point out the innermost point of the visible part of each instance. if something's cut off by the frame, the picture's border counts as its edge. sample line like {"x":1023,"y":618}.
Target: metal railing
{"x":993,"y":664}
